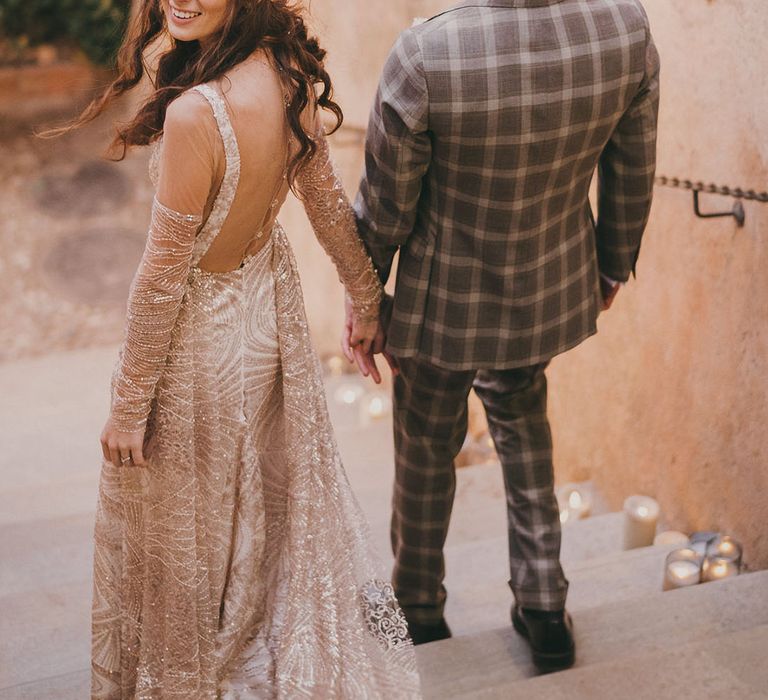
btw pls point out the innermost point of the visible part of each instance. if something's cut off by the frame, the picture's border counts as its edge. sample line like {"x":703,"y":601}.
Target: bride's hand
{"x":363,"y":334}
{"x":362,"y":338}
{"x":123,"y":449}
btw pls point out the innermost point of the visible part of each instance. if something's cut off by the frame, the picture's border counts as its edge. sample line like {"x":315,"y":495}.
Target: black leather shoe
{"x":550,"y":635}
{"x":423,"y":634}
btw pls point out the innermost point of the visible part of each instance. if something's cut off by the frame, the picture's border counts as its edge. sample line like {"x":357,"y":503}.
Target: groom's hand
{"x":609,"y":289}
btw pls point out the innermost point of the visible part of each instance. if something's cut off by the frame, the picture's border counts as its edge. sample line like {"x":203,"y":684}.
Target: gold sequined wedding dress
{"x":237,"y":564}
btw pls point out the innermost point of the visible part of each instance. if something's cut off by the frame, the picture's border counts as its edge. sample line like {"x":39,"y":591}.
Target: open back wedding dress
{"x":237,"y":564}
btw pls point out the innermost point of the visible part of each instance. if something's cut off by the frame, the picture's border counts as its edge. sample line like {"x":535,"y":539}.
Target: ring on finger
{"x":125,"y":460}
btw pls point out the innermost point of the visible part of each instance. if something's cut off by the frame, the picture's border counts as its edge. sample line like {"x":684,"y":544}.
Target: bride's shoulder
{"x":190,"y":126}
{"x":188,"y":109}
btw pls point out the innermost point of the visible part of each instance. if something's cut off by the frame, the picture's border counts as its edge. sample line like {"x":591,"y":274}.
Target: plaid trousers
{"x":430,"y":426}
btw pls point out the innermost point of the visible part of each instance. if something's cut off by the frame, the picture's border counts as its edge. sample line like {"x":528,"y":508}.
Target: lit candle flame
{"x":727,"y":548}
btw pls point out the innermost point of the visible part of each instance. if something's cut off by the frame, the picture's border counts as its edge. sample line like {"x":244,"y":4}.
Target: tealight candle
{"x":683,"y":568}
{"x":575,"y":503}
{"x":376,"y":406}
{"x":725,"y":547}
{"x":723,"y":559}
{"x":641,"y":517}
{"x":349,"y":394}
{"x":718,"y":569}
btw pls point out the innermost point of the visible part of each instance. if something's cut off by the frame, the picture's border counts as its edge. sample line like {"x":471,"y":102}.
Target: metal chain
{"x":737,"y":192}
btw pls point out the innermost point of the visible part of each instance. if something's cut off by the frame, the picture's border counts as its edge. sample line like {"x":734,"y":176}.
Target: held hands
{"x":123,"y":449}
{"x":609,"y":290}
{"x":362,"y":340}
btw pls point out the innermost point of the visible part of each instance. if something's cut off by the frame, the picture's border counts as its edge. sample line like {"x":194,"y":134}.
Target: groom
{"x":488,"y":125}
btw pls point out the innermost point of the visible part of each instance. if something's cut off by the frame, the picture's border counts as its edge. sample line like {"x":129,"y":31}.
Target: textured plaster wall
{"x":670,"y":398}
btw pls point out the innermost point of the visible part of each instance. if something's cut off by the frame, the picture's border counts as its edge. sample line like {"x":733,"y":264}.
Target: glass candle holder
{"x":725,"y":547}
{"x":682,"y":569}
{"x":723,"y":559}
{"x":700,"y":540}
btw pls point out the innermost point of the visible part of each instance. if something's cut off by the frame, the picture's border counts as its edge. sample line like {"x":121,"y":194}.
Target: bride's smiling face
{"x":194,"y":20}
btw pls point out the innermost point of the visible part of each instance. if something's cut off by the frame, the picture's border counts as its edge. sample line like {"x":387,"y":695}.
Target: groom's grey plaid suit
{"x":489,"y":123}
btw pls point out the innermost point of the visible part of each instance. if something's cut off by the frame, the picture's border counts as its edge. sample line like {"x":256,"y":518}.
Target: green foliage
{"x":95,"y":26}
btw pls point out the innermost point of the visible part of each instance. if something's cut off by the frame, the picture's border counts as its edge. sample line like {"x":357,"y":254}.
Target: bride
{"x":231,"y":558}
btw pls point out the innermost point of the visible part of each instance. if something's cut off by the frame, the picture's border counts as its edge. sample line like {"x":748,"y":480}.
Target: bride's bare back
{"x":193,"y":162}
{"x":221,"y":177}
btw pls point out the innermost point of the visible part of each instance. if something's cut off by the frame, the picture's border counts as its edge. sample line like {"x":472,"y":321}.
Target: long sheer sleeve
{"x":186,"y":172}
{"x":333,"y":221}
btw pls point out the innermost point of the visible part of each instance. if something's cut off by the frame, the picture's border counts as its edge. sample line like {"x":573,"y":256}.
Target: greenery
{"x":94,"y":26}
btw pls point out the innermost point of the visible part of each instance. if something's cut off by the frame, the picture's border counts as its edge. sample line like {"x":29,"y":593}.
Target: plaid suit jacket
{"x":489,"y":123}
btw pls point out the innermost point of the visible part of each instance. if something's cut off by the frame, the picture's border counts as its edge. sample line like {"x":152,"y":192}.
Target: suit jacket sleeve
{"x":397,"y":155}
{"x":626,"y":176}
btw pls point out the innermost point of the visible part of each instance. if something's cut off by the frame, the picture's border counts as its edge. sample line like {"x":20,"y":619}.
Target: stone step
{"x":70,"y":686}
{"x":36,"y":553}
{"x":67,"y":495}
{"x":40,"y":606}
{"x":44,"y":632}
{"x":31,"y":550}
{"x":479,"y":597}
{"x":611,"y":633}
{"x":721,"y":667}
{"x":592,"y":538}
{"x":51,"y":416}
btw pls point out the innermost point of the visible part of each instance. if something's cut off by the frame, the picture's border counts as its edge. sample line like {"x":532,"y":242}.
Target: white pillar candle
{"x":641,"y":517}
{"x":683,"y":568}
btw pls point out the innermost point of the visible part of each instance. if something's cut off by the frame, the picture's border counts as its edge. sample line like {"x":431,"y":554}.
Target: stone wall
{"x":670,"y":398}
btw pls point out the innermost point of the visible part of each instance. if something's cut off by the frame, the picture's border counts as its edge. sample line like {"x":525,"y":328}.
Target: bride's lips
{"x":182,"y":17}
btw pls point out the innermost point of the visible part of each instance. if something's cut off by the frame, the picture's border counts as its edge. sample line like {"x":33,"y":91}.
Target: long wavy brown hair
{"x":277,"y":26}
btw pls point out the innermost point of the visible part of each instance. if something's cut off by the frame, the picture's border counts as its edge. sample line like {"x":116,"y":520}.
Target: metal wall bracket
{"x":737,"y":212}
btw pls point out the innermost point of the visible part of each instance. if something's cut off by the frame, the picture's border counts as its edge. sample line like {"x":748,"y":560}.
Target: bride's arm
{"x":186,"y":175}
{"x":333,"y":221}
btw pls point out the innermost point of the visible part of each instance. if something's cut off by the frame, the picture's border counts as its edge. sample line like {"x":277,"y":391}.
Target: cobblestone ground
{"x":72,"y":229}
